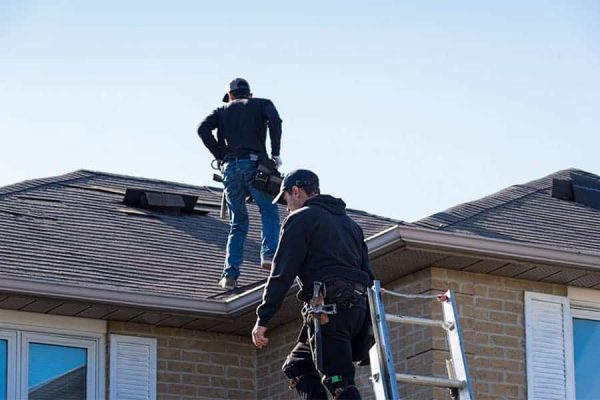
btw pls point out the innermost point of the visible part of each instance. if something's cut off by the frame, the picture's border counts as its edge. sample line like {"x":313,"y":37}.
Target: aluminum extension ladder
{"x":384,"y":378}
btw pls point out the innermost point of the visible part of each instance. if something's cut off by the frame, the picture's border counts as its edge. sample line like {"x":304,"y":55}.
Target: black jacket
{"x":318,"y":242}
{"x":242,"y":128}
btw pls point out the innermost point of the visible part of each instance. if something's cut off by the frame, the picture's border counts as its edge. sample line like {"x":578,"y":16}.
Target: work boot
{"x":228,"y":283}
{"x":266,"y":262}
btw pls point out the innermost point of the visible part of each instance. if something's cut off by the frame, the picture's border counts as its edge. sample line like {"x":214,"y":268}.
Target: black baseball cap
{"x":237,"y":83}
{"x":299,"y":177}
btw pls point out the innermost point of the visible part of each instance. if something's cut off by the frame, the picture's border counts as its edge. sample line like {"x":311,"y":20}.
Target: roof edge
{"x":381,"y":243}
{"x":112,"y":296}
{"x":431,"y":240}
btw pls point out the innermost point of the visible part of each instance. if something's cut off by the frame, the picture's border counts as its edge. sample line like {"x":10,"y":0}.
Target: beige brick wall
{"x":198,"y":365}
{"x":492,"y":317}
{"x":271,"y":382}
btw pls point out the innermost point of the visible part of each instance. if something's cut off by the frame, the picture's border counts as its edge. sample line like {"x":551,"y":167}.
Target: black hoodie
{"x":318,"y":242}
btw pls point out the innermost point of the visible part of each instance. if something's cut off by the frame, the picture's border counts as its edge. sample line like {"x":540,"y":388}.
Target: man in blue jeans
{"x":239,"y":145}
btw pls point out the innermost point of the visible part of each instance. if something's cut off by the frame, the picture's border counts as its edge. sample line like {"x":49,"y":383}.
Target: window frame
{"x":59,"y":340}
{"x":24,"y":327}
{"x":11,"y":359}
{"x":584,"y":304}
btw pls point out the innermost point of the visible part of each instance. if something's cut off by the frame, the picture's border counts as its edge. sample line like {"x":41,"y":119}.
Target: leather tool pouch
{"x":342,"y":293}
{"x":267,"y":178}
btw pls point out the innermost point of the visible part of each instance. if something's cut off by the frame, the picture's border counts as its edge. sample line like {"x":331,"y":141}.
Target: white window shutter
{"x":132,"y":368}
{"x":549,"y":347}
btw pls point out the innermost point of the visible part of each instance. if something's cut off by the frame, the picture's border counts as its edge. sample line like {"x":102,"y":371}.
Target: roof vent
{"x":170,"y":203}
{"x":582,"y":189}
{"x":562,"y":189}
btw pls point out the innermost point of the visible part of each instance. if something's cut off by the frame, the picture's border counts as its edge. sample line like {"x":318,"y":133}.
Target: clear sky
{"x":404,"y":108}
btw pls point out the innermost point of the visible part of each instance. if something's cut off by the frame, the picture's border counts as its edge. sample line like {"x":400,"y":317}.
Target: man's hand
{"x":277,"y":161}
{"x":258,"y":336}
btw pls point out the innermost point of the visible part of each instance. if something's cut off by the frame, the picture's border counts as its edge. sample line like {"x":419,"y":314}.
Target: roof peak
{"x":86,"y":173}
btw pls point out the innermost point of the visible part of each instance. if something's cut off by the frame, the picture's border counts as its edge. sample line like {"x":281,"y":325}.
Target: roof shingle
{"x":525,"y":213}
{"x":75,"y":229}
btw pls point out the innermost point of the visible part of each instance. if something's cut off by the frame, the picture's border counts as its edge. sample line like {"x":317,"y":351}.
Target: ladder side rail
{"x":456,"y":346}
{"x":384,"y":352}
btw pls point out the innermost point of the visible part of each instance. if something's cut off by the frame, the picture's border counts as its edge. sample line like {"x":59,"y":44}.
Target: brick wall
{"x":271,"y":383}
{"x":492,"y":317}
{"x":198,"y":365}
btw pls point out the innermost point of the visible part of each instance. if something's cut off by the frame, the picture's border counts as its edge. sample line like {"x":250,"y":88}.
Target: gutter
{"x":460,"y":244}
{"x":116,"y":297}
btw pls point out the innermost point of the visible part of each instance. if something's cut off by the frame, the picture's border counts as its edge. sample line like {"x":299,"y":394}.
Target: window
{"x":3,"y":362}
{"x":562,"y":336}
{"x":45,"y":357}
{"x":586,"y":343}
{"x":585,"y":312}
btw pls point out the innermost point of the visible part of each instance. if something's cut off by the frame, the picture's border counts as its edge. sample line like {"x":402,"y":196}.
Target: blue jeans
{"x":237,"y":178}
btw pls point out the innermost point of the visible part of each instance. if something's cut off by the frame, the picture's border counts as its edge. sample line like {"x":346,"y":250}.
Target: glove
{"x":277,"y":161}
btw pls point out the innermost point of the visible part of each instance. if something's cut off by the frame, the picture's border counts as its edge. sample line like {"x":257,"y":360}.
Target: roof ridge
{"x":533,"y":185}
{"x":148,"y":180}
{"x":36,"y":183}
{"x":499,"y":204}
{"x":368,"y":214}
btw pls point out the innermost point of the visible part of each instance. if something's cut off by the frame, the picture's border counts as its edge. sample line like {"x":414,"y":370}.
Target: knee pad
{"x":309,"y":387}
{"x":341,"y":387}
{"x":304,"y":379}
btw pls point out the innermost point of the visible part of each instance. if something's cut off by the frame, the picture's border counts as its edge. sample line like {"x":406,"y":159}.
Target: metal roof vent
{"x":581,"y":189}
{"x":169,"y":203}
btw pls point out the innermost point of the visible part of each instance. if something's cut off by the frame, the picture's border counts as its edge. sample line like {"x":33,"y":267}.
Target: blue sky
{"x":404,"y":108}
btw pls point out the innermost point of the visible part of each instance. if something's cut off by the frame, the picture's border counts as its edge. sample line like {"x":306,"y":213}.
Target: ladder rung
{"x":418,"y":321}
{"x":429,"y":381}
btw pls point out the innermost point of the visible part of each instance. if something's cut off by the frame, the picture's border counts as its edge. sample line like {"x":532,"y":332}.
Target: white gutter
{"x":116,"y":297}
{"x":440,"y":241}
{"x":385,"y":240}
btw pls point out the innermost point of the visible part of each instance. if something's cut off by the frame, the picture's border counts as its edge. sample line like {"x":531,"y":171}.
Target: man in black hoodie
{"x":239,"y":146}
{"x":318,"y":242}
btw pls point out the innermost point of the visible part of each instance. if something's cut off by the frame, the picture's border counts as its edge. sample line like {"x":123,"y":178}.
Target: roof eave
{"x":113,"y":296}
{"x":382,"y":243}
{"x":440,"y":241}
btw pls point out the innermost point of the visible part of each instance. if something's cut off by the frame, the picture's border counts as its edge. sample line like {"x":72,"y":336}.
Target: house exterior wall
{"x":198,"y":365}
{"x":491,"y":311}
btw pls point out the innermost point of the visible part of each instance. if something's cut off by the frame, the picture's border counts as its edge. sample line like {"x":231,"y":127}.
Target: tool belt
{"x":343,"y":293}
{"x":267,"y":178}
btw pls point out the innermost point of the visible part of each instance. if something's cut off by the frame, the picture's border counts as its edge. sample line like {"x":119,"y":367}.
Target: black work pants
{"x":336,"y":343}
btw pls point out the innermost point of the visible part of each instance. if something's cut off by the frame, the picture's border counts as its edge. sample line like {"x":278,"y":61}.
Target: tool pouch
{"x":342,"y":293}
{"x":267,"y":178}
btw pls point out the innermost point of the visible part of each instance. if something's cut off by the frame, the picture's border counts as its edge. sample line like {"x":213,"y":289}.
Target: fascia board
{"x":425,"y":239}
{"x":384,"y":241}
{"x":111,"y":296}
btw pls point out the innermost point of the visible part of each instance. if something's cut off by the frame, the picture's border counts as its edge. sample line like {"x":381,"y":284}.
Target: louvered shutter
{"x":132,"y":368}
{"x":549,"y":347}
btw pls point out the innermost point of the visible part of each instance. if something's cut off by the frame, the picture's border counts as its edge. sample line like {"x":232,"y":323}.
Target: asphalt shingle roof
{"x":75,"y":229}
{"x":525,"y":213}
